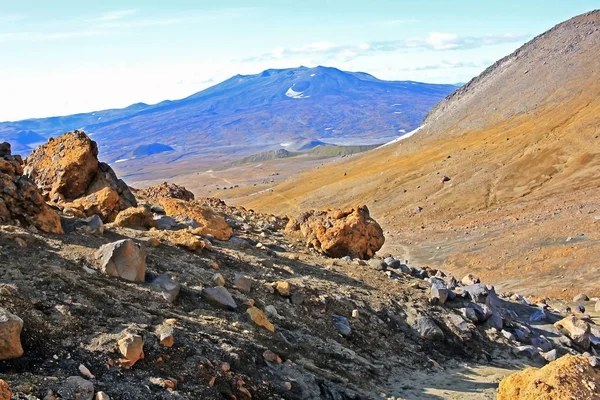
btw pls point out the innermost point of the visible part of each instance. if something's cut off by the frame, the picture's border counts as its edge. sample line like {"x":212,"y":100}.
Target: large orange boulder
{"x":69,"y":175}
{"x":20,"y":200}
{"x":166,"y":190}
{"x":64,"y":166}
{"x":339,"y":233}
{"x":209,"y":222}
{"x":569,"y":377}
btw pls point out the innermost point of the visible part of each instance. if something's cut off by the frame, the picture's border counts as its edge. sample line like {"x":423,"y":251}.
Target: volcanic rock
{"x":167,"y":287}
{"x":5,"y":392}
{"x":260,"y":319}
{"x":219,"y":297}
{"x":576,"y":329}
{"x":132,"y":348}
{"x":338,"y":233}
{"x":428,"y":329}
{"x":208,"y":221}
{"x":136,"y":217}
{"x":124,"y":259}
{"x":20,"y":200}
{"x":10,"y":335}
{"x":166,"y":190}
{"x":68,"y":173}
{"x":569,"y":377}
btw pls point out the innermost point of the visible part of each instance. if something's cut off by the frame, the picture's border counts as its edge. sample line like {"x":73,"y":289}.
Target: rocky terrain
{"x":499,"y":181}
{"x":181,"y":297}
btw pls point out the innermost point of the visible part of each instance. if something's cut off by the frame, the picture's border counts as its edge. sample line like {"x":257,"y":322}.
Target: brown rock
{"x":209,"y":222}
{"x":104,"y":203}
{"x":182,"y":238}
{"x":242,"y":283}
{"x":64,"y":166}
{"x":166,"y":190}
{"x":166,"y":335}
{"x":260,"y":319}
{"x":283,"y":288}
{"x":153,"y":242}
{"x":20,"y":200}
{"x":132,"y":348}
{"x":469,"y":279}
{"x":136,"y":217}
{"x":123,"y":259}
{"x":67,"y":171}
{"x":10,"y":335}
{"x":576,"y":329}
{"x":270,"y":356}
{"x":339,"y":233}
{"x":5,"y":392}
{"x":567,"y":378}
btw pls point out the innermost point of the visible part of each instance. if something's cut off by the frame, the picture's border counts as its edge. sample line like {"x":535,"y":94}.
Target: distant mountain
{"x":264,"y":110}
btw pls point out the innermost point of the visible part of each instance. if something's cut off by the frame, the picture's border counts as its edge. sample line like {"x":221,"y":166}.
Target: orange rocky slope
{"x":520,"y":145}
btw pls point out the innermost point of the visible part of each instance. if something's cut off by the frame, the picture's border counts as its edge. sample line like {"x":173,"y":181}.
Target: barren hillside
{"x":519,"y":146}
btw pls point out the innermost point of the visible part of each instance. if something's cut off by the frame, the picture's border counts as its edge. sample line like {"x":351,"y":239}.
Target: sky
{"x":62,"y":57}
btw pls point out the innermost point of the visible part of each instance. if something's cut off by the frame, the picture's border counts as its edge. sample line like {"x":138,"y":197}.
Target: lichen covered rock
{"x":209,"y":222}
{"x":569,"y":377}
{"x":69,"y":175}
{"x":339,"y":233}
{"x":20,"y":200}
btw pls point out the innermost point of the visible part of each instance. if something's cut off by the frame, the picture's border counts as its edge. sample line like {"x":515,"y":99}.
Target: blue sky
{"x":61,"y":57}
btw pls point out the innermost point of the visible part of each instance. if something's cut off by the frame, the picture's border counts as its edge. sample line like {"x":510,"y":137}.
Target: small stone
{"x":5,"y":392}
{"x":342,"y":325}
{"x":283,"y":288}
{"x":164,"y":222}
{"x":218,"y":279}
{"x":242,"y":283}
{"x":166,"y":335}
{"x":354,"y":313}
{"x":86,"y":372}
{"x":391,"y":262}
{"x":538,"y":316}
{"x":77,"y":388}
{"x":550,"y":355}
{"x":428,"y":329}
{"x":167,"y":287}
{"x":10,"y":335}
{"x":102,"y":396}
{"x":132,"y":348}
{"x":542,"y":343}
{"x":124,"y":259}
{"x":271,"y":311}
{"x":287,"y":385}
{"x":219,"y":297}
{"x":214,"y":266}
{"x":508,"y":335}
{"x":580,"y":297}
{"x":469,"y":279}
{"x":576,"y":329}
{"x":152,"y":242}
{"x":260,"y":319}
{"x":270,"y":356}
{"x":92,"y":225}
{"x":597,"y":306}
{"x":469,"y":314}
{"x":438,"y":294}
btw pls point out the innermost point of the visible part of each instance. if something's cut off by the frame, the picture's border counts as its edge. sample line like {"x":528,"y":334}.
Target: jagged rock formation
{"x":20,"y":201}
{"x":568,"y":378}
{"x":68,"y":173}
{"x":339,"y":233}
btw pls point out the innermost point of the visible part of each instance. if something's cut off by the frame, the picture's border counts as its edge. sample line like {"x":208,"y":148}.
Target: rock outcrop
{"x":166,"y":190}
{"x":208,"y":222}
{"x":20,"y":200}
{"x":569,"y":377}
{"x":68,"y":173}
{"x":138,"y":217}
{"x":339,"y":233}
{"x":10,"y":335}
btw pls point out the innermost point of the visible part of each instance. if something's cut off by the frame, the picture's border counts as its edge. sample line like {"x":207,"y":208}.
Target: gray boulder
{"x":167,"y":287}
{"x":219,"y":297}
{"x":124,"y":259}
{"x":428,"y":329}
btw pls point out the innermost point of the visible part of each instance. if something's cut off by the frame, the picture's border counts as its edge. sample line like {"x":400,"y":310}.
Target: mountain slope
{"x":520,"y":144}
{"x":262,"y":110}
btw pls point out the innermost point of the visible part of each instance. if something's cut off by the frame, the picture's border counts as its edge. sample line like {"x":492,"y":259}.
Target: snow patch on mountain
{"x":291,"y":93}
